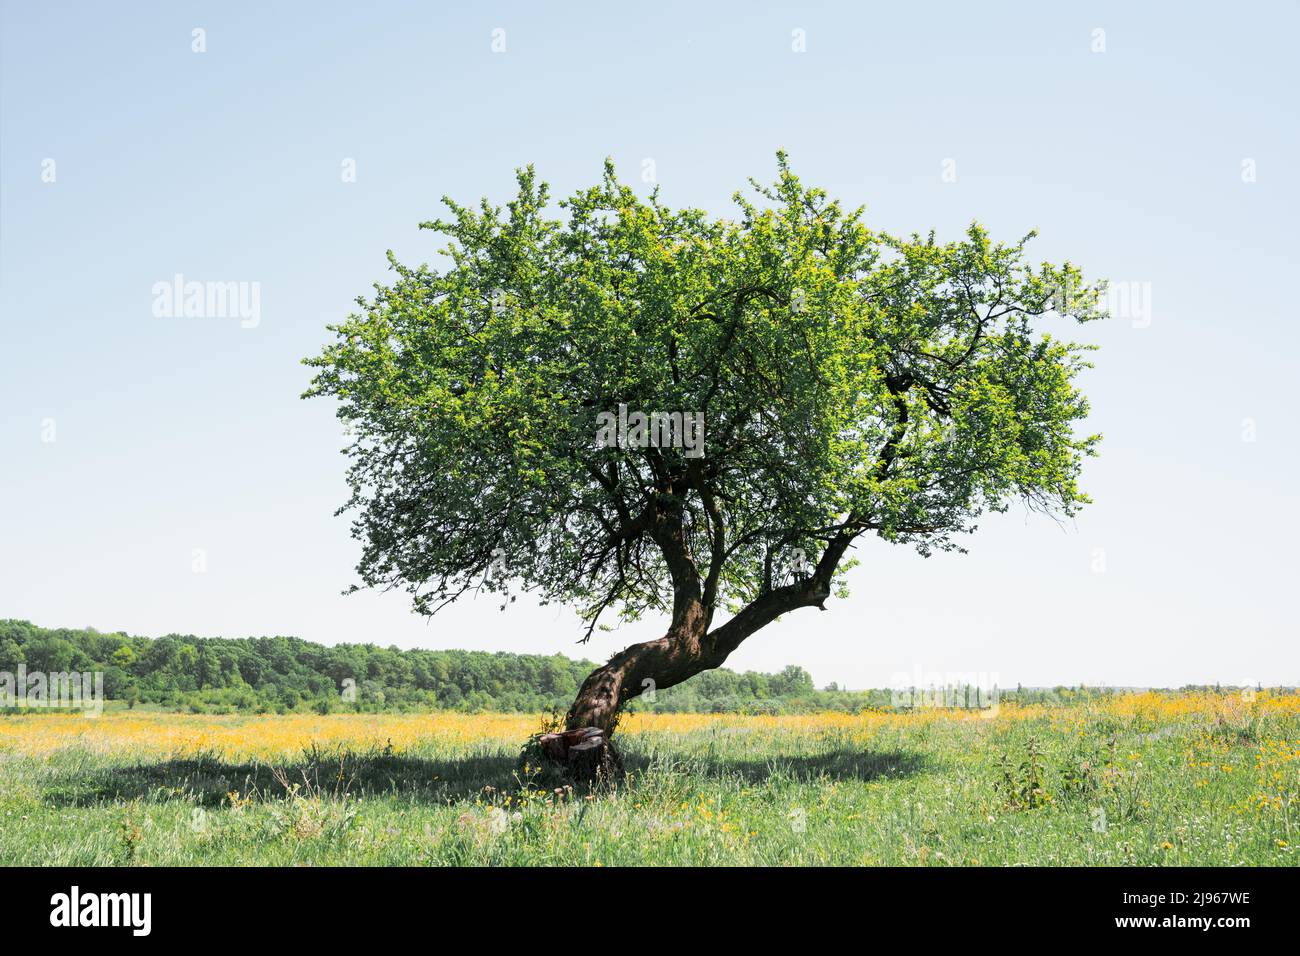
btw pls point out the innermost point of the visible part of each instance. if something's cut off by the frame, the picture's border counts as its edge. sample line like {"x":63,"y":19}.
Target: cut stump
{"x":586,"y":753}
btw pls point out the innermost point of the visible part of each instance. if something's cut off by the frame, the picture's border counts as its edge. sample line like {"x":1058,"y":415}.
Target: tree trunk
{"x":585,"y":754}
{"x":687,"y":649}
{"x":690,"y":647}
{"x":678,"y":655}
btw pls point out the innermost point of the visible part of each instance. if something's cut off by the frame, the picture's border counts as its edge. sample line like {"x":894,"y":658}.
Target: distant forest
{"x":286,"y":674}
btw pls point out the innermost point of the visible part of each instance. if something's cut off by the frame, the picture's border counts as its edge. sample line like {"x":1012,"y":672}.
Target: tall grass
{"x":1147,"y":780}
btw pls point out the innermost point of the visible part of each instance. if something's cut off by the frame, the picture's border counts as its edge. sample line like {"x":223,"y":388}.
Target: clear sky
{"x":1167,"y":161}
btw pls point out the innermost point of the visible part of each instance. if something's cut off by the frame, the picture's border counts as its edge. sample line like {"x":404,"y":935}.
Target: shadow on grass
{"x":209,"y":780}
{"x":860,"y":765}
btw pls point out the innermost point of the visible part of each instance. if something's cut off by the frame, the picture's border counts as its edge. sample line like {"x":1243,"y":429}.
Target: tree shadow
{"x":209,"y":780}
{"x":846,"y":764}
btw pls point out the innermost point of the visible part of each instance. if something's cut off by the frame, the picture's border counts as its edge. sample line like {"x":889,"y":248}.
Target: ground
{"x":1142,"y":779}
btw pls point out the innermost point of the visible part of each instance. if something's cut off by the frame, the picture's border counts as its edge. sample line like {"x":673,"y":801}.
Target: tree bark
{"x":688,"y":648}
{"x":678,"y":655}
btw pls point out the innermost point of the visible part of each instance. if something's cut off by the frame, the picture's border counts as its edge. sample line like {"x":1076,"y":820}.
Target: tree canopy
{"x":850,"y":382}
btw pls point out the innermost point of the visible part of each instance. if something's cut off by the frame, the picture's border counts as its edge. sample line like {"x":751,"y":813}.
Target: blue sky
{"x":176,"y":434}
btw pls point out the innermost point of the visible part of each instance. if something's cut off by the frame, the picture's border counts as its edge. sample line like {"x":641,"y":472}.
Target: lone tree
{"x":850,"y":383}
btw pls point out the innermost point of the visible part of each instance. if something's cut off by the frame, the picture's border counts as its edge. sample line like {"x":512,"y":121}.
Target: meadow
{"x":1141,"y":779}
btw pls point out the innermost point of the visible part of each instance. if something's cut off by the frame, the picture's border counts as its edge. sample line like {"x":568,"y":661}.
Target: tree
{"x":50,"y":655}
{"x":11,"y":655}
{"x":792,"y":681}
{"x":852,"y":383}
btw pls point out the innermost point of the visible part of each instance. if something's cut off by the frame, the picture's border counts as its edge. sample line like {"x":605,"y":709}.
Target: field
{"x":1145,"y":779}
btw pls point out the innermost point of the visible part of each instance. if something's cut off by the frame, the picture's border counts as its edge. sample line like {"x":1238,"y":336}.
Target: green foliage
{"x":1021,"y":785}
{"x":285,"y":674}
{"x":850,"y":381}
{"x":1078,"y":773}
{"x":281,"y":674}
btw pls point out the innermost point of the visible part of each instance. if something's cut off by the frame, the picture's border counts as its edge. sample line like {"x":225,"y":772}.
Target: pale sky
{"x":1160,"y":152}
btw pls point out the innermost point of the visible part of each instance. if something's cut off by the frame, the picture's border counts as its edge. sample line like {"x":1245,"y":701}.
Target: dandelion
{"x":497,"y":821}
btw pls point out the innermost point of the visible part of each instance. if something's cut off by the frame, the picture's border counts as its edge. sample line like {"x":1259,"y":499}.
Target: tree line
{"x":287,"y":674}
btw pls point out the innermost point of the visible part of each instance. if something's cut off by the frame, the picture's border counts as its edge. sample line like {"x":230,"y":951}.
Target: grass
{"x":1151,"y":779}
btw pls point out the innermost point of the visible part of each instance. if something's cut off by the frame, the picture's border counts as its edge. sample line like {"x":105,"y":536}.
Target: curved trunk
{"x":690,"y":647}
{"x":687,"y":649}
{"x":678,"y":655}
